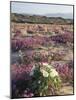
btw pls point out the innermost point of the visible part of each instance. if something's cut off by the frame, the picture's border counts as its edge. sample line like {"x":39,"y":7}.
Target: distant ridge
{"x":63,"y":15}
{"x":38,"y":19}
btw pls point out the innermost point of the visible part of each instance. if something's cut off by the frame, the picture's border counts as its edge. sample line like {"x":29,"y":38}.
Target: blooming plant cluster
{"x":66,"y":73}
{"x":27,"y":42}
{"x":64,"y":38}
{"x":31,"y":42}
{"x":46,"y":80}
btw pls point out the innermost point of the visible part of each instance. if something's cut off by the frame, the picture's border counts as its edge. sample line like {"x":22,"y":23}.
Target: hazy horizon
{"x":65,"y":11}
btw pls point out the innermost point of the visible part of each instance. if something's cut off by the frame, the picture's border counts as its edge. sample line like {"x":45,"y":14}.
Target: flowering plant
{"x":46,"y":80}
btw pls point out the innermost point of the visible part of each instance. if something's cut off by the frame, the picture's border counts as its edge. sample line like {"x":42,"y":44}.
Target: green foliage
{"x":41,"y":85}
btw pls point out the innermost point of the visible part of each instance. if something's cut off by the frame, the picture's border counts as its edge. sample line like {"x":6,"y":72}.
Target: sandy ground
{"x":66,"y":89}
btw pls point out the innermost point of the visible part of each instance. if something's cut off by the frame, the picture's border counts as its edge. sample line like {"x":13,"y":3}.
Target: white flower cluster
{"x":45,"y":73}
{"x":52,"y":71}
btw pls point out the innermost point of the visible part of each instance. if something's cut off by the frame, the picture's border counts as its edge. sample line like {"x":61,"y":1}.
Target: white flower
{"x":31,"y":73}
{"x":39,"y":82}
{"x":46,"y":87}
{"x":32,"y":70}
{"x":45,"y":73}
{"x":53,"y":73}
{"x":47,"y":65}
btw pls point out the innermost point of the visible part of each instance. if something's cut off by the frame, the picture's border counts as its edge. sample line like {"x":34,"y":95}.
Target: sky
{"x":41,"y":9}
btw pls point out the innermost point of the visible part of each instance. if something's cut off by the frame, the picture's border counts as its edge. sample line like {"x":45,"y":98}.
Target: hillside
{"x":24,"y":18}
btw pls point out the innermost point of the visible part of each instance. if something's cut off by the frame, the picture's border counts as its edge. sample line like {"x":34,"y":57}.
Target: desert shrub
{"x":46,"y":80}
{"x":65,"y":72}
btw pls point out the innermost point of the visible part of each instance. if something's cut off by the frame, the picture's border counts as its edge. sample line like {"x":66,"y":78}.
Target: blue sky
{"x":33,"y":8}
